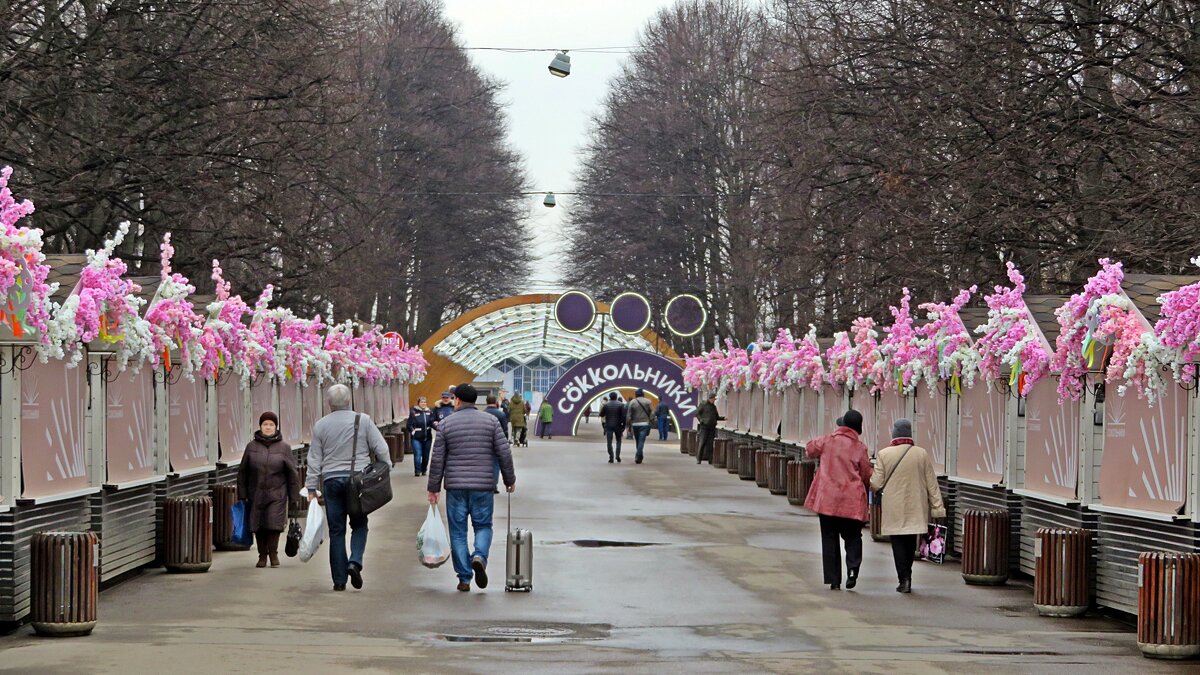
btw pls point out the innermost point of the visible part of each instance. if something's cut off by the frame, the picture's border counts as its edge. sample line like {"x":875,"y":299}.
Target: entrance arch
{"x":619,"y":369}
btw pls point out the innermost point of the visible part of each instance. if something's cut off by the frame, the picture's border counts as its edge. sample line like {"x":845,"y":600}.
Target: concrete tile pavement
{"x":730,"y":584}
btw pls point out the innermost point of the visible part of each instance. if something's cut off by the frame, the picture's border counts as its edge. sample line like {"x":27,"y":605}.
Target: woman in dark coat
{"x":267,"y":480}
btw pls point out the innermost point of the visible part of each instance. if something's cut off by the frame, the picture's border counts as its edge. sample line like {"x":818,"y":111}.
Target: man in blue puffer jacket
{"x":465,"y":452}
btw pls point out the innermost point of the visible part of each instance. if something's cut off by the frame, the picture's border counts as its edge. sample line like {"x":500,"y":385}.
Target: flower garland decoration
{"x":1011,"y":338}
{"x":840,"y":358}
{"x":949,"y":343}
{"x":1101,"y":316}
{"x":781,"y":357}
{"x":806,"y":368}
{"x":24,"y":293}
{"x":1179,"y":330}
{"x":103,"y":307}
{"x":857,"y":363}
{"x":226,"y":333}
{"x":173,"y":321}
{"x":907,"y":357}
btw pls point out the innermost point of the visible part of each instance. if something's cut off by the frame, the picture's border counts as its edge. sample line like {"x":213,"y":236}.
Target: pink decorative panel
{"x":310,"y":407}
{"x":774,"y":414}
{"x":53,"y":408}
{"x":866,"y":404}
{"x":1145,"y":452}
{"x":261,"y":399}
{"x":745,"y":410}
{"x":1051,"y":442}
{"x":792,"y":406}
{"x":129,"y":424}
{"x":234,"y":429}
{"x":187,"y":436}
{"x":929,"y":424}
{"x":291,"y":419}
{"x":981,"y":434}
{"x":831,"y":407}
{"x":810,"y":414}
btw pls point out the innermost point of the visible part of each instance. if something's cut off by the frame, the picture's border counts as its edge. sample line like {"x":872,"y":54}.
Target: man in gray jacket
{"x":640,"y":414}
{"x":337,"y":438}
{"x":468,"y":445}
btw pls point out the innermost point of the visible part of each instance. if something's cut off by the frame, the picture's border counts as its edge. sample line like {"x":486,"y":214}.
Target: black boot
{"x":851,"y":578}
{"x":905,"y":586}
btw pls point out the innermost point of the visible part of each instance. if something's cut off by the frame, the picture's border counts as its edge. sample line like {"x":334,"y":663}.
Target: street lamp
{"x":561,"y":65}
{"x":549,"y":201}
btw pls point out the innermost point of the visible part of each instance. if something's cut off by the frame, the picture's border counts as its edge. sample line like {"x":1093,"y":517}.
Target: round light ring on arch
{"x":685,"y":315}
{"x":575,"y":311}
{"x":630,"y":313}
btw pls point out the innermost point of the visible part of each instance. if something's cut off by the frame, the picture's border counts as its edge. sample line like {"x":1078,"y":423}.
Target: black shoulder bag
{"x":370,"y":488}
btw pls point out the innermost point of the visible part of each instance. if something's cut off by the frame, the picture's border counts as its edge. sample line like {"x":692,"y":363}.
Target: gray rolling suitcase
{"x":519,"y":570}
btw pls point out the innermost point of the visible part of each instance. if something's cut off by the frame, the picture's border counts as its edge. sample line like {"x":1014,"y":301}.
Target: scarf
{"x":902,"y":441}
{"x":268,"y":441}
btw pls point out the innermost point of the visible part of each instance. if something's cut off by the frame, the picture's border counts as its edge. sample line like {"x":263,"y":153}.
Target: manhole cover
{"x":528,"y":632}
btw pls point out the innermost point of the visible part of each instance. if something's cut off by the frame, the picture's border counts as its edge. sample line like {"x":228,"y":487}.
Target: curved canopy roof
{"x":525,"y":330}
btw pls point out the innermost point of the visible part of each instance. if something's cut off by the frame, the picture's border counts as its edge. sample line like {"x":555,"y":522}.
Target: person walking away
{"x":906,"y":476}
{"x":518,"y":409}
{"x":494,"y":410}
{"x":505,"y":406}
{"x":340,"y":440}
{"x":545,"y":418}
{"x":663,"y":414}
{"x":420,"y":430}
{"x":641,"y":415}
{"x":839,"y":496}
{"x":267,"y":479}
{"x":706,"y":420}
{"x":443,"y":409}
{"x":587,"y":415}
{"x":612,"y":418}
{"x":464,"y":454}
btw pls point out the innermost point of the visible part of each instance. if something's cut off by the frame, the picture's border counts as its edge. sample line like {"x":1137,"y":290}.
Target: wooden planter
{"x":762,"y":467}
{"x":65,"y":583}
{"x":985,"y":547}
{"x":876,"y":512}
{"x":188,"y":522}
{"x":1169,"y":605}
{"x":799,"y":480}
{"x":721,"y":448}
{"x":746,"y":456}
{"x":1060,"y":583}
{"x":223,"y":498}
{"x":777,"y":474}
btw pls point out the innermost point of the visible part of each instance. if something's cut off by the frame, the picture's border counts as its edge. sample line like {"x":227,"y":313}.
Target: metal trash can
{"x":1061,"y":570}
{"x":762,"y":467}
{"x":985,"y":547}
{"x":64,"y":583}
{"x":875,"y":510}
{"x":721,"y":452}
{"x":799,"y":479}
{"x":777,"y":473}
{"x":224,"y":497}
{"x":1169,"y":605}
{"x":746,"y":461}
{"x":188,"y":521}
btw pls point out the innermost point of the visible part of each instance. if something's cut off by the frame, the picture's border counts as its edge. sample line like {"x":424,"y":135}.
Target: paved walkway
{"x":731,"y":584}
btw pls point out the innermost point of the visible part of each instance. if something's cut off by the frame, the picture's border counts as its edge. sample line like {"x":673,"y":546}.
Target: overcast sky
{"x":549,"y":117}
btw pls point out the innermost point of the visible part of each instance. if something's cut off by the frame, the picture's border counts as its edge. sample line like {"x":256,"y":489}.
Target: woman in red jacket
{"x":839,"y":496}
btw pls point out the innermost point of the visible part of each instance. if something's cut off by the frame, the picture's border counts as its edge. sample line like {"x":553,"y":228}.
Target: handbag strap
{"x":895,"y":466}
{"x":354,"y":443}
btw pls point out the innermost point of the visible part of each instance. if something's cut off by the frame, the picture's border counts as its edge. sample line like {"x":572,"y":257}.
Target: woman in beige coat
{"x":911,"y":497}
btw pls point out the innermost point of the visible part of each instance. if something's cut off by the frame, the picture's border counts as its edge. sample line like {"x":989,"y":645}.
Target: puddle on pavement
{"x":605,"y":543}
{"x":528,"y":633}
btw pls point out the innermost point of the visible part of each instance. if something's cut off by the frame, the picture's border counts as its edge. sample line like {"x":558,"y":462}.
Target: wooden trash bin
{"x":684,"y":436}
{"x":64,"y":583}
{"x":799,"y":479}
{"x":405,"y":444}
{"x":1169,"y":605}
{"x":1061,"y":570}
{"x":299,"y":509}
{"x":746,"y":459}
{"x":224,"y":497}
{"x":875,"y":510}
{"x":721,"y":452}
{"x":733,"y":456}
{"x":394,"y":450}
{"x":693,"y":446}
{"x":985,"y":547}
{"x":777,"y":473}
{"x":762,"y":467}
{"x":188,"y":522}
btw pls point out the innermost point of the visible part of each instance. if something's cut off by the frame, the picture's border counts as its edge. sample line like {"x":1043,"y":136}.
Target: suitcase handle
{"x":510,"y":512}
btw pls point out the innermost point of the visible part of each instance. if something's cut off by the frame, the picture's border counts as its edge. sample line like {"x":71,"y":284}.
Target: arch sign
{"x":617,"y":369}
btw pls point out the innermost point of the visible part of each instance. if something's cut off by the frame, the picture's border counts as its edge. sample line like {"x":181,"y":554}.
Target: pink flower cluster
{"x":367,"y":357}
{"x":907,"y":357}
{"x":807,"y":368}
{"x":24,"y":293}
{"x":1010,"y":337}
{"x":1179,"y":330}
{"x":173,"y":320}
{"x":948,"y":343}
{"x":106,"y":298}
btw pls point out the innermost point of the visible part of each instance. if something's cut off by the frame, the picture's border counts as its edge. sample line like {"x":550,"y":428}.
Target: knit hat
{"x":268,"y":416}
{"x":853,"y":419}
{"x":839,"y":423}
{"x":902,"y":428}
{"x":639,"y":392}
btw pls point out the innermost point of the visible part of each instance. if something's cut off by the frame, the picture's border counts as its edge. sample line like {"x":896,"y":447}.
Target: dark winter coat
{"x":663,"y":410}
{"x":420,"y":423}
{"x":465,"y":453}
{"x":267,"y":479}
{"x":500,"y":416}
{"x":441,"y":412}
{"x":612,"y":413}
{"x":707,"y":415}
{"x":517,"y":410}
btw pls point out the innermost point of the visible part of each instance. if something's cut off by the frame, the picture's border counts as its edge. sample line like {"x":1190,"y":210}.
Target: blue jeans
{"x":664,"y":423}
{"x":336,"y":496}
{"x":478,"y":504}
{"x":640,"y":432}
{"x":420,"y":455}
{"x":609,"y":435}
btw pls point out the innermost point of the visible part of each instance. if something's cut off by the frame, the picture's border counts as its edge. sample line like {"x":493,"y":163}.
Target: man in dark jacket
{"x":442,"y":410}
{"x":662,"y":414}
{"x":612,"y":416}
{"x":465,"y":453}
{"x":707,"y":418}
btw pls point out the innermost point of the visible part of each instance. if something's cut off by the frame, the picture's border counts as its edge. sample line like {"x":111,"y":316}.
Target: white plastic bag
{"x":315,"y":531}
{"x":433,"y":542}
